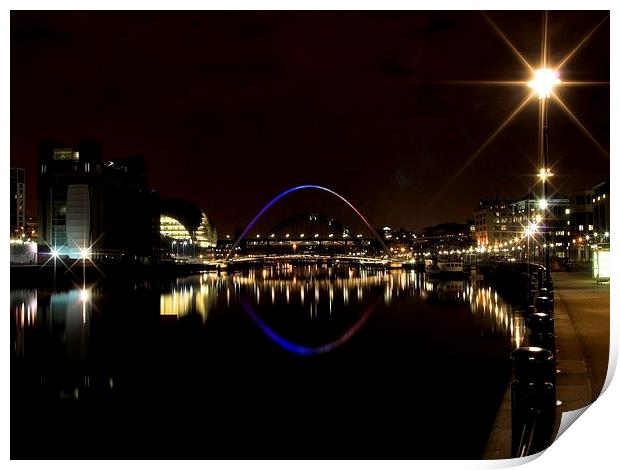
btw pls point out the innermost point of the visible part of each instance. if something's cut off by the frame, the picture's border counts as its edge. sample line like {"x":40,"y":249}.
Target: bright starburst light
{"x":544,"y":83}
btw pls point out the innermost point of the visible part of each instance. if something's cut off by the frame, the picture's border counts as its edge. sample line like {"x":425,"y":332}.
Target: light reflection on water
{"x":322,"y":291}
{"x":65,"y":314}
{"x":347,"y":343}
{"x":319,"y":292}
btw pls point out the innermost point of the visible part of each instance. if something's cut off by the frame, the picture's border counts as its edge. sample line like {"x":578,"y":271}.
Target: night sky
{"x":230,"y":108}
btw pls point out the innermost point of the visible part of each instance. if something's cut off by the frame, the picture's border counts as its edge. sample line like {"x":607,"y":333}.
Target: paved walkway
{"x":582,"y":347}
{"x":582,"y":330}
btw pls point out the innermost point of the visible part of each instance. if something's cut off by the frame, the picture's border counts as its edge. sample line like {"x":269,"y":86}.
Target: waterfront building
{"x":590,"y":212}
{"x":582,"y":223}
{"x":32,"y":227}
{"x":493,"y":226}
{"x":23,"y":251}
{"x":554,"y":230}
{"x":445,"y":239}
{"x":582,"y":215}
{"x":18,"y":202}
{"x":600,"y":208}
{"x":95,"y":207}
{"x":184,"y":228}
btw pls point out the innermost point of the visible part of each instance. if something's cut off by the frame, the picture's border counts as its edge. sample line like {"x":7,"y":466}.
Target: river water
{"x":296,"y":362}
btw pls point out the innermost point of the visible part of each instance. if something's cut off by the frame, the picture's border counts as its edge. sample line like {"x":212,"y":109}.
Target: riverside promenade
{"x":582,"y":349}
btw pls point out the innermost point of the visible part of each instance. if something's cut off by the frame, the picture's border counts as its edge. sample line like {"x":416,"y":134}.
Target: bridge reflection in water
{"x":321,"y":351}
{"x":321,"y":291}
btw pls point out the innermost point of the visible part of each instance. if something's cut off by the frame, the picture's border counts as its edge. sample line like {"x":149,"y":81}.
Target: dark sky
{"x":230,"y":108}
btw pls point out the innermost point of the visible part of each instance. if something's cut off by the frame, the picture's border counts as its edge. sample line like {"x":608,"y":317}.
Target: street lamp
{"x":544,"y":174}
{"x":55,"y":255}
{"x":531,"y":229}
{"x":543,"y":82}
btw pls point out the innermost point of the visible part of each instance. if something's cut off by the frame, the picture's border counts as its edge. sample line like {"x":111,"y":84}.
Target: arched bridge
{"x":307,"y":231}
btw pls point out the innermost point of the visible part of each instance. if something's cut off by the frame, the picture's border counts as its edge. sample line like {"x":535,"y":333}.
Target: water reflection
{"x":321,"y":292}
{"x":304,"y":310}
{"x":487,"y":308}
{"x":390,"y":344}
{"x":65,"y":315}
{"x":183,"y":299}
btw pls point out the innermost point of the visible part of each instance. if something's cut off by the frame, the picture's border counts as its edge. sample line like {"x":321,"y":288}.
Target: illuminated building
{"x":444,"y":237}
{"x":88,"y":202}
{"x":18,"y":201}
{"x":590,"y":212}
{"x":493,"y":222}
{"x":556,"y":225}
{"x":600,"y":208}
{"x":184,"y":227}
{"x":582,"y":223}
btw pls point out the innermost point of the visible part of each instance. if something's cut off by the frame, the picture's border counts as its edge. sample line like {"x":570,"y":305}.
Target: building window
{"x":580,"y":228}
{"x":590,"y":228}
{"x":43,"y":169}
{"x":567,"y":211}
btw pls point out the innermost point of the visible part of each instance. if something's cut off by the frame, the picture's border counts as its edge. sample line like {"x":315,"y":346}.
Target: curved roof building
{"x":183,"y":220}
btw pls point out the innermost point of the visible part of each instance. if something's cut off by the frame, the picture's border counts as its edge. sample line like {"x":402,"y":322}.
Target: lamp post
{"x":55,"y":254}
{"x":543,"y":82}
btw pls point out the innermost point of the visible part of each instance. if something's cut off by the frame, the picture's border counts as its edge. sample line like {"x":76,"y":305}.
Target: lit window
{"x":581,"y":228}
{"x":567,"y":211}
{"x":590,"y":228}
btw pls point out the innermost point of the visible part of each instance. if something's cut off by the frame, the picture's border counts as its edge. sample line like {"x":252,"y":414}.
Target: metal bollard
{"x":545,"y":292}
{"x":539,"y":277}
{"x":533,"y":400}
{"x":533,"y":363}
{"x":549,"y":284}
{"x":544,"y":304}
{"x":542,"y":330}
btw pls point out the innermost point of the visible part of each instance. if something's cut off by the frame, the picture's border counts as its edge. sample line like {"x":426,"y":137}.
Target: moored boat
{"x":446,"y":269}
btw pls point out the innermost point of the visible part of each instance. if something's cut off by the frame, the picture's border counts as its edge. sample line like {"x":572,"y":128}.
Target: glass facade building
{"x":88,"y":203}
{"x":18,"y":201}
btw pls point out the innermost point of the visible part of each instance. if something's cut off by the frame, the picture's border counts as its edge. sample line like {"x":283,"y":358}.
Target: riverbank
{"x":582,"y":350}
